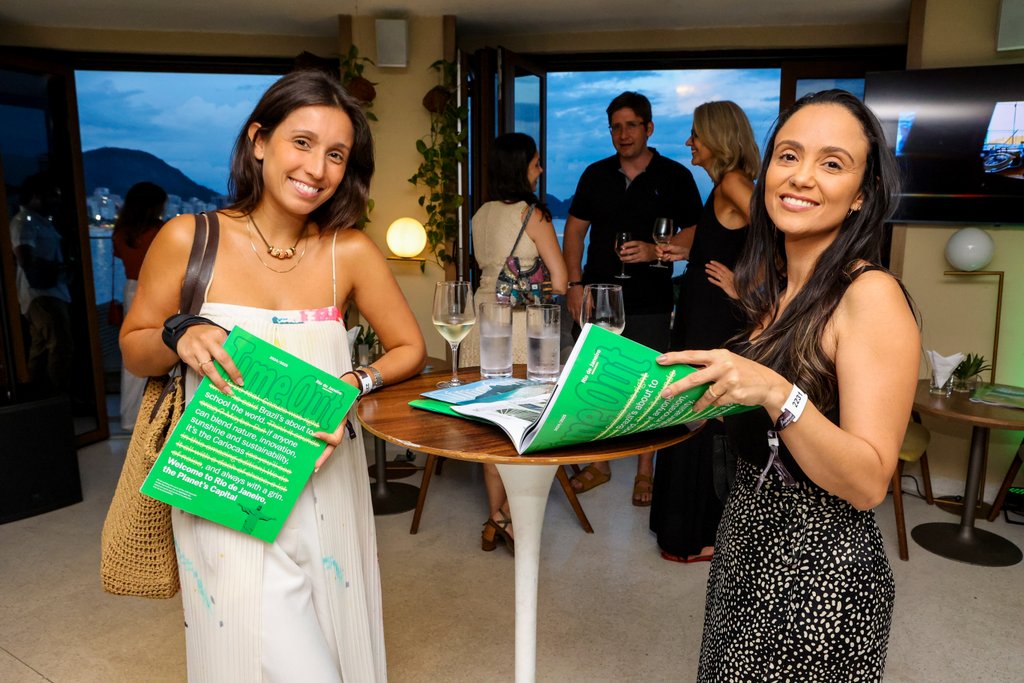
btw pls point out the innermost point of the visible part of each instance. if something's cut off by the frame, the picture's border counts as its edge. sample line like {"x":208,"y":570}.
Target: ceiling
{"x":319,"y":17}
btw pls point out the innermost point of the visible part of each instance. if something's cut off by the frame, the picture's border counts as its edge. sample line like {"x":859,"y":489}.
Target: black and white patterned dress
{"x":800,"y":588}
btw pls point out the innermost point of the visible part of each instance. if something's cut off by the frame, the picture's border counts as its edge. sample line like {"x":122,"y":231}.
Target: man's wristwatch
{"x":575,"y":283}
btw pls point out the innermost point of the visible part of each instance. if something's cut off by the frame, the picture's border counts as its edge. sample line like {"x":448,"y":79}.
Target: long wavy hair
{"x":507,"y":179}
{"x":143,"y":209}
{"x":790,"y":343}
{"x":305,"y":88}
{"x":725,"y":130}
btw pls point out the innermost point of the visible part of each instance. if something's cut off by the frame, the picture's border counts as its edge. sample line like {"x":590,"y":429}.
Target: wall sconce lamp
{"x":406,"y":239}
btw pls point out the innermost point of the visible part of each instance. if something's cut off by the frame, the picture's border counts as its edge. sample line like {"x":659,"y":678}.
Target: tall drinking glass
{"x":620,"y":239}
{"x":495,"y":339}
{"x":543,"y":341}
{"x":662,"y":233}
{"x":603,"y":306}
{"x":454,"y":315}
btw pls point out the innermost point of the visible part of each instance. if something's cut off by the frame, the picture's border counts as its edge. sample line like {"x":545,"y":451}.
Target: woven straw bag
{"x":138,"y":555}
{"x":137,"y":546}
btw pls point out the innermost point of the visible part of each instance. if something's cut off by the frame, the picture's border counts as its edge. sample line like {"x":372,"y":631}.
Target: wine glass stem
{"x":455,"y":360}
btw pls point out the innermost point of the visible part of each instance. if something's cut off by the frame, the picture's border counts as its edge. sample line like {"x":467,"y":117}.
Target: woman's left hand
{"x":721,"y":276}
{"x":332,"y":439}
{"x":732,"y":379}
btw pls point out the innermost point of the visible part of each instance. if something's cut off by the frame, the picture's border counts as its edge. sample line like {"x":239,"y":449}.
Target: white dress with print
{"x":306,"y":607}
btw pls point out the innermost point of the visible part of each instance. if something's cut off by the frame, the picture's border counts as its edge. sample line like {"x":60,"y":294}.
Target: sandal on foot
{"x":589,"y":478}
{"x":493,"y":530}
{"x":642,"y":485}
{"x":689,"y":559}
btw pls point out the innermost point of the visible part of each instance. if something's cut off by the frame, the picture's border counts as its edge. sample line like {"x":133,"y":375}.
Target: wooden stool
{"x":1011,"y":474}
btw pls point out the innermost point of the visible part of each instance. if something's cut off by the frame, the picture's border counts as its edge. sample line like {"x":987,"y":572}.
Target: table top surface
{"x":958,"y":407}
{"x":386,"y":414}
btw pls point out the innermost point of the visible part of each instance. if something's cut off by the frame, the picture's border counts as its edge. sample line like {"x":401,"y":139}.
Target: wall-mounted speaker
{"x":392,"y":42}
{"x":1011,"y":25}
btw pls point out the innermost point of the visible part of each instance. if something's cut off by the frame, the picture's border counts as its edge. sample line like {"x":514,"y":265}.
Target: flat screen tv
{"x":958,"y":135}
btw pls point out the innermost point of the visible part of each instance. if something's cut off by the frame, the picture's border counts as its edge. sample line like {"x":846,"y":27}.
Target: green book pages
{"x":610,"y":386}
{"x":242,"y":460}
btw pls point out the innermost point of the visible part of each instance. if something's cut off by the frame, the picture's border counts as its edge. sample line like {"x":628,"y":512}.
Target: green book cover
{"x":610,"y":386}
{"x":242,"y":460}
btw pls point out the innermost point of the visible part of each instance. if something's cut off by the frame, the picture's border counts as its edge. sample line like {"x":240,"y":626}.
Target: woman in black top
{"x":800,"y":588}
{"x":686,"y":508}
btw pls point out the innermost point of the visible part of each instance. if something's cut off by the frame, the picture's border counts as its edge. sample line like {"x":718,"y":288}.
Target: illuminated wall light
{"x":406,"y":238}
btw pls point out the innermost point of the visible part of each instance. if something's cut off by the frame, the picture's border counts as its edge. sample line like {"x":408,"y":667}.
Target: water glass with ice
{"x":495,"y":339}
{"x":543,"y":341}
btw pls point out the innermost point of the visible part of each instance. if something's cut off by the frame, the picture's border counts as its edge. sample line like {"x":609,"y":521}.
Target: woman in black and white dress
{"x":800,"y":587}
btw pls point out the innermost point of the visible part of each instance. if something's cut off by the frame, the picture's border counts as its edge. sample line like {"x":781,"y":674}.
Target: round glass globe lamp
{"x":406,"y":237}
{"x":969,"y":249}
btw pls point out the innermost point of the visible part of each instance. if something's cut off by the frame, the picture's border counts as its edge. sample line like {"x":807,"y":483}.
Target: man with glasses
{"x":626,"y":192}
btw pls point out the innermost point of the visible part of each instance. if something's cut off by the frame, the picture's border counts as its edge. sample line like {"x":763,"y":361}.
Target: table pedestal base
{"x":528,"y":488}
{"x":955,"y":505}
{"x":389,"y":498}
{"x":966,"y":544}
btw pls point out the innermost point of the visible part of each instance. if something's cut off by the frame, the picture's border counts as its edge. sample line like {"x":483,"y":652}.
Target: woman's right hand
{"x":203,"y":344}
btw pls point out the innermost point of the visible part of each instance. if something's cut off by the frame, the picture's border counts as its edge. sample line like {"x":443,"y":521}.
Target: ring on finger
{"x":711,"y":390}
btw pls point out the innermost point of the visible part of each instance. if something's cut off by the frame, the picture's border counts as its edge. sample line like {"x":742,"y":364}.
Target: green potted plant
{"x":965,"y":375}
{"x":367,"y":346}
{"x":442,"y":151}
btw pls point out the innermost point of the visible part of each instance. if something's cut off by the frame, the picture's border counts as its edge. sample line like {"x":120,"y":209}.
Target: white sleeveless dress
{"x":495,"y":228}
{"x":308,"y":606}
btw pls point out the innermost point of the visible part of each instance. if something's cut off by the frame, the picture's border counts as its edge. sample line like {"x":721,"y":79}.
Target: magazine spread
{"x":610,"y":386}
{"x":242,"y":460}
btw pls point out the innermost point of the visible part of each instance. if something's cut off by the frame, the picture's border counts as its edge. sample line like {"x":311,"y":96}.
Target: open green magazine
{"x":242,"y":460}
{"x":610,"y":386}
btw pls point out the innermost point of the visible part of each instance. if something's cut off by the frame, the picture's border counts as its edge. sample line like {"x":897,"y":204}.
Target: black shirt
{"x":610,"y":203}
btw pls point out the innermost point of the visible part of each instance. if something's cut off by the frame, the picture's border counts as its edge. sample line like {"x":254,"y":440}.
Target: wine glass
{"x":620,"y":239}
{"x":662,"y":233}
{"x":454,"y":315}
{"x":603,"y":306}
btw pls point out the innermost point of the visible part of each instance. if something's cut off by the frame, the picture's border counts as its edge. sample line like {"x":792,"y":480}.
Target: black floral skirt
{"x":799,"y":590}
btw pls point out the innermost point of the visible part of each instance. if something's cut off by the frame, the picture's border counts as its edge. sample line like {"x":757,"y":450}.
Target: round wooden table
{"x":386,"y":414}
{"x":963,"y":541}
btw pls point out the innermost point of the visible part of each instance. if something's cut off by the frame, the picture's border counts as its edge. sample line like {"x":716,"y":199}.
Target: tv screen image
{"x":958,"y":135}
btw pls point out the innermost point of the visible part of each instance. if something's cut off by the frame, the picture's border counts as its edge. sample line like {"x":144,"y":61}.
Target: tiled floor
{"x":610,"y":608}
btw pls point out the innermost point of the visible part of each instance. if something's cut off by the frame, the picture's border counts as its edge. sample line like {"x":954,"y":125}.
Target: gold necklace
{"x":283,"y":253}
{"x":249,"y":226}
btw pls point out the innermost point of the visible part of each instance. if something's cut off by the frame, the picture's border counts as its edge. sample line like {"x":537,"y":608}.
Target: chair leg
{"x":563,"y":479}
{"x":927,"y":478}
{"x":897,"y":504}
{"x":428,"y":469}
{"x":1011,"y":474}
{"x":440,"y":463}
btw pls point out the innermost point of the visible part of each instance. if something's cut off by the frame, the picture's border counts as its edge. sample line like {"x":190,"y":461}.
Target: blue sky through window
{"x":188,"y":120}
{"x":578,"y":126}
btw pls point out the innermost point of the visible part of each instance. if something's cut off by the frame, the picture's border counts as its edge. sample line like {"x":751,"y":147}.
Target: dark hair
{"x":791,"y":343}
{"x":305,"y":88}
{"x":35,"y":186}
{"x":507,"y":179}
{"x":640,"y":105}
{"x":143,"y":209}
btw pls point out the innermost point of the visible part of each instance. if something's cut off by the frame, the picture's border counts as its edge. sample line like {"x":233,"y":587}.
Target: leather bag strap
{"x":529,"y":212}
{"x":193,"y":292}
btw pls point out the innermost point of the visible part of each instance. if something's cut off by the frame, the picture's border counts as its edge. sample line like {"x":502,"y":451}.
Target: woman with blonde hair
{"x":688,"y":496}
